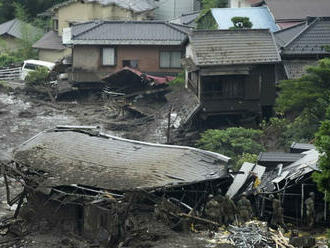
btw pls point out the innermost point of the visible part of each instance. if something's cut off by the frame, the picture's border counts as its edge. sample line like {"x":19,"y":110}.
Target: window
{"x":130,"y":63}
{"x":170,"y":59}
{"x":108,"y":56}
{"x":55,"y":24}
{"x":223,"y":86}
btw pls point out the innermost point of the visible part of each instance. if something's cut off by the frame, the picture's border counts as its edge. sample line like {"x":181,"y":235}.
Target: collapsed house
{"x":88,"y":183}
{"x":289,"y":175}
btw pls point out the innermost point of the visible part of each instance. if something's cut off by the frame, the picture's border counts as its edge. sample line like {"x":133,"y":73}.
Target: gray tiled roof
{"x":310,"y":40}
{"x":298,"y":9}
{"x":14,"y":28}
{"x":109,"y":162}
{"x":283,"y":36}
{"x":297,"y":68}
{"x":50,"y":41}
{"x":128,"y":32}
{"x":134,"y":5}
{"x":229,"y":47}
{"x":186,"y":19}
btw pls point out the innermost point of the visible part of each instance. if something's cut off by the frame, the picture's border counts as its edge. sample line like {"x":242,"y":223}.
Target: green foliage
{"x":32,"y":8}
{"x":37,"y":78}
{"x":323,"y":144}
{"x":309,"y":91}
{"x":179,"y":80}
{"x":306,"y":100}
{"x":241,"y":23}
{"x":205,"y":19}
{"x":232,"y":142}
{"x":246,"y":157}
{"x":8,"y":59}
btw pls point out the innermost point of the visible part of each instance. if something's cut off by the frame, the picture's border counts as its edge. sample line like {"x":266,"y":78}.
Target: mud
{"x":23,"y":116}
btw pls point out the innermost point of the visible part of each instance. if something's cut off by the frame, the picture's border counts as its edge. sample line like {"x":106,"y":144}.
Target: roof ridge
{"x":301,"y":32}
{"x":171,"y":25}
{"x":11,"y":26}
{"x":286,"y":29}
{"x":89,"y":29}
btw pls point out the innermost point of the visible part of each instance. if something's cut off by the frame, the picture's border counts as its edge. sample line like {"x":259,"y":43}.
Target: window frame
{"x":114,"y":55}
{"x":170,"y":52}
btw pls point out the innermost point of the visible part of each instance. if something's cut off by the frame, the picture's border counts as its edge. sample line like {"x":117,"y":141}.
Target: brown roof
{"x":233,"y":47}
{"x":50,"y":41}
{"x":298,"y":9}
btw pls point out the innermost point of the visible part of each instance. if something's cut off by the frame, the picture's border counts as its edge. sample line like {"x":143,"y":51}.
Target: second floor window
{"x":170,"y":59}
{"x":108,"y":56}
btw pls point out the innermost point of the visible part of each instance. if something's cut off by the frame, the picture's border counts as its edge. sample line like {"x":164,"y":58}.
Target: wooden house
{"x":232,"y":72}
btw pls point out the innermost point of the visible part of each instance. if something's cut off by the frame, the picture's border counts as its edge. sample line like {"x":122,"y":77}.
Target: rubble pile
{"x":253,"y":234}
{"x":257,"y":234}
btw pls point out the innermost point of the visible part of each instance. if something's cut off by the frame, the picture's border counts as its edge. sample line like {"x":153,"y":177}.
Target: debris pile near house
{"x":104,"y":187}
{"x":252,"y":234}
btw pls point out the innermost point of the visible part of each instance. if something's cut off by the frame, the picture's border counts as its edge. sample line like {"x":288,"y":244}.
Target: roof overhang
{"x":127,"y":42}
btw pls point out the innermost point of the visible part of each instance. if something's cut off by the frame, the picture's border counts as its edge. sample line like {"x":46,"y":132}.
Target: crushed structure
{"x":89,"y":183}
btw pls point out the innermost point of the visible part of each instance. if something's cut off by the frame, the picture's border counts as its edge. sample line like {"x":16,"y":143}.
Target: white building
{"x":169,"y":9}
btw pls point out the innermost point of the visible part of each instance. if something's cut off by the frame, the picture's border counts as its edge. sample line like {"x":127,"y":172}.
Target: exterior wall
{"x":87,"y":60}
{"x":8,"y":43}
{"x":169,"y":9}
{"x":79,"y":12}
{"x":259,"y":91}
{"x":239,"y":4}
{"x":53,"y":55}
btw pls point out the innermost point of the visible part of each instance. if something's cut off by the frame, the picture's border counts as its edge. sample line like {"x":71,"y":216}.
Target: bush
{"x":179,"y":80}
{"x":8,"y":59}
{"x":232,"y":142}
{"x":245,"y":157}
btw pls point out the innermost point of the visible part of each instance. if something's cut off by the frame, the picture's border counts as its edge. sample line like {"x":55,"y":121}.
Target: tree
{"x":323,"y":144}
{"x":39,"y":81}
{"x":241,"y":23}
{"x":205,"y":19}
{"x":33,"y":7}
{"x":305,"y":100}
{"x":232,"y":142}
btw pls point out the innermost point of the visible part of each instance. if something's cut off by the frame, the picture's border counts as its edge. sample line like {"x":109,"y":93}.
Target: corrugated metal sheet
{"x":128,"y":33}
{"x":302,"y":146}
{"x":72,"y":157}
{"x":230,"y":47}
{"x":14,"y":28}
{"x":260,"y":17}
{"x":311,"y":40}
{"x":50,"y":41}
{"x":279,"y":157}
{"x":248,"y":169}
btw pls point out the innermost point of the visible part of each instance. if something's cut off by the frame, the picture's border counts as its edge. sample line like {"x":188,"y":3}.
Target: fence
{"x":10,"y":73}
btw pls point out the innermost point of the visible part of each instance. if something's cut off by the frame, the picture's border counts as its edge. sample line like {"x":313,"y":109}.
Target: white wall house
{"x":169,"y":9}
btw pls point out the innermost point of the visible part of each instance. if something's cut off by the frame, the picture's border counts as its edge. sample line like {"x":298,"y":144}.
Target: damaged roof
{"x":128,"y":33}
{"x":231,"y":47}
{"x":136,"y":5}
{"x":73,"y":156}
{"x":278,"y":157}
